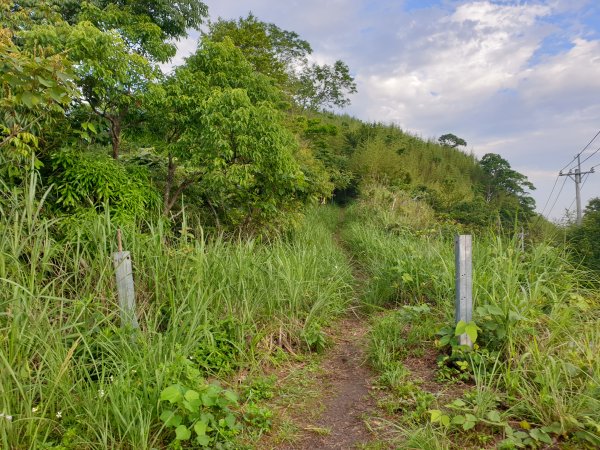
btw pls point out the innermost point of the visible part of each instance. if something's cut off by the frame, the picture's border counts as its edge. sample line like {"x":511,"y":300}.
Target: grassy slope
{"x":538,"y":345}
{"x":69,"y":374}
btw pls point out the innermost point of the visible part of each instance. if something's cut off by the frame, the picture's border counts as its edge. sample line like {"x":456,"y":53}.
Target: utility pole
{"x":575,"y":175}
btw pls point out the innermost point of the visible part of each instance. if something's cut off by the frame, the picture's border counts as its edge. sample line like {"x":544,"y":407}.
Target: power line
{"x":550,"y":196}
{"x":591,"y":154}
{"x":575,"y":175}
{"x":582,"y":185}
{"x":584,"y":148}
{"x":557,"y":197}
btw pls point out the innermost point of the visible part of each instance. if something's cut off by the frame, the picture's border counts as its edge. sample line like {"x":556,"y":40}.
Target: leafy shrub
{"x":205,"y":411}
{"x":217,"y":352}
{"x":258,"y":418}
{"x":314,"y":337}
{"x":96,"y":181}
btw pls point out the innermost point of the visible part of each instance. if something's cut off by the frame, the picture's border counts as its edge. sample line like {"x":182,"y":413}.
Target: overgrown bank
{"x":71,"y":377}
{"x":533,"y":378}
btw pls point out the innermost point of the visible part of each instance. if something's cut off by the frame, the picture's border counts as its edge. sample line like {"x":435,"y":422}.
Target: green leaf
{"x":471,"y":331}
{"x":191,"y":395}
{"x":468,"y":425}
{"x":57,"y":94}
{"x":204,"y":441}
{"x":182,"y":433}
{"x":45,"y":82}
{"x":494,"y":416}
{"x":170,"y":418}
{"x":460,"y":328}
{"x":192,"y":406}
{"x":445,"y":420}
{"x":200,"y":428}
{"x":172,"y":393}
{"x":458,"y":420}
{"x":29,"y":99}
{"x":495,"y":310}
{"x":540,"y":435}
{"x":444,"y":340}
{"x":555,"y":428}
{"x":230,"y":421}
{"x":436,"y":415}
{"x":208,"y":399}
{"x":231,"y":396}
{"x":470,"y":418}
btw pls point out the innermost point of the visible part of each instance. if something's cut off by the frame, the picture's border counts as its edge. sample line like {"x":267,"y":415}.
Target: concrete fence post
{"x":124,"y":276}
{"x":463,"y":245}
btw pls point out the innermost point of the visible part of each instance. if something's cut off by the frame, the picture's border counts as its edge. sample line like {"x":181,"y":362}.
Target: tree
{"x":505,"y":186}
{"x":269,"y":49}
{"x":36,"y":88}
{"x":137,"y":20}
{"x":585,"y":239}
{"x":215,"y":122}
{"x":111,"y":77}
{"x":251,"y":175}
{"x":451,"y":140}
{"x":283,"y":56}
{"x":325,"y":86}
{"x":115,"y":46}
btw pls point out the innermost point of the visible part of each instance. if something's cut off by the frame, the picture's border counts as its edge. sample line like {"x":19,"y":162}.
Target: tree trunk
{"x":168,"y":185}
{"x":169,"y":205}
{"x":115,"y":135}
{"x":116,"y":122}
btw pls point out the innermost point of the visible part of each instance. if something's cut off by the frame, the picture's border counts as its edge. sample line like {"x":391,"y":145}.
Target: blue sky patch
{"x":552,"y":45}
{"x":411,"y":5}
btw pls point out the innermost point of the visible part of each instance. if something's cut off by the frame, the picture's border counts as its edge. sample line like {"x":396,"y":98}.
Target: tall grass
{"x":70,"y":376}
{"x":538,"y":312}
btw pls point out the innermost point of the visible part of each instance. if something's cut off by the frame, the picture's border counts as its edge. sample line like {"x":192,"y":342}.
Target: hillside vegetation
{"x":216,"y":174}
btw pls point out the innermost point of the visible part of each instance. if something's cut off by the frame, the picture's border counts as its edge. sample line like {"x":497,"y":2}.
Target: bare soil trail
{"x":340,"y":397}
{"x":346,"y":384}
{"x":347,"y":378}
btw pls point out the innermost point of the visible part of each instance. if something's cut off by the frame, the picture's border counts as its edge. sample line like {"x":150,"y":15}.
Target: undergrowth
{"x":72,"y":377}
{"x":533,"y":376}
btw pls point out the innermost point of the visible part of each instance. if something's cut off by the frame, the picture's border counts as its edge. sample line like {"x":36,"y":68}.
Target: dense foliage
{"x":237,"y":134}
{"x":212,"y":173}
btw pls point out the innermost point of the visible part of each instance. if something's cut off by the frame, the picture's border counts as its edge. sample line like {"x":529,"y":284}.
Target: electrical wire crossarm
{"x":575,"y":175}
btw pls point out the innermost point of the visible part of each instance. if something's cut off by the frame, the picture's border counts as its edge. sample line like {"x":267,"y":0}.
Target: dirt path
{"x":346,"y":381}
{"x":339,"y":400}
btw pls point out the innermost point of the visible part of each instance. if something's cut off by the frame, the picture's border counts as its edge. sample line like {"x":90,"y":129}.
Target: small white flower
{"x":34,"y":409}
{"x":111,"y":378}
{"x":101,"y":393}
{"x":9,"y":418}
{"x":59,"y":414}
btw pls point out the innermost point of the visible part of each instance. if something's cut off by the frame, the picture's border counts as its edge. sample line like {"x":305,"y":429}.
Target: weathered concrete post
{"x":124,"y":275}
{"x":463,"y":245}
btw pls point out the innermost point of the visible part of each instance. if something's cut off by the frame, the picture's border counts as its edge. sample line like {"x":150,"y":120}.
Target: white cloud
{"x":465,"y":57}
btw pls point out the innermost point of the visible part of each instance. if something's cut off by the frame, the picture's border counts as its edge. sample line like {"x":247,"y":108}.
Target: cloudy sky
{"x":518,"y":78}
